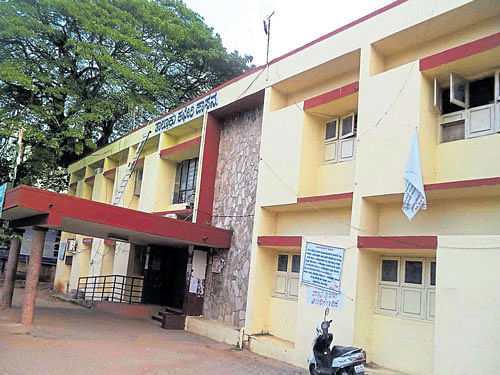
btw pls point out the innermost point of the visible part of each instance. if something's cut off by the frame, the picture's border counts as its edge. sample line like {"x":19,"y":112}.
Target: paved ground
{"x":72,"y":340}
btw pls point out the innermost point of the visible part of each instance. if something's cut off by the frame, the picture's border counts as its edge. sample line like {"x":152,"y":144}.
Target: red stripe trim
{"x":340,"y":29}
{"x":463,"y":184}
{"x":181,"y":146}
{"x":341,"y":92}
{"x":73,"y":185}
{"x":89,"y":179}
{"x":289,"y":241}
{"x":208,"y":171}
{"x":109,"y":242}
{"x":318,"y":198}
{"x":110,"y":172}
{"x":460,"y":52}
{"x":397,"y":242}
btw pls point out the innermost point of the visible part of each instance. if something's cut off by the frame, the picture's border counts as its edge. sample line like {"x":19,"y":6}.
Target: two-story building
{"x":311,"y":149}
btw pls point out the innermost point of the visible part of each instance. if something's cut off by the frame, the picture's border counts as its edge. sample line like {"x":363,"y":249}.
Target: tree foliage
{"x":72,"y":70}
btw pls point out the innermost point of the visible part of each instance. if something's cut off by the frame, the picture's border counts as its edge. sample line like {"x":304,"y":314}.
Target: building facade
{"x":312,"y":149}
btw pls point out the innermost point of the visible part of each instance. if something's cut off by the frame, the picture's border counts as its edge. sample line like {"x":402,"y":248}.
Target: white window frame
{"x":353,"y":130}
{"x":466,"y":113}
{"x":138,"y":181}
{"x":425,"y":290}
{"x":340,"y":140}
{"x":455,"y":81}
{"x":288,"y":275}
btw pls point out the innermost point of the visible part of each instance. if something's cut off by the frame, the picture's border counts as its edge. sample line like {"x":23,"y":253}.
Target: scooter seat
{"x":338,"y":350}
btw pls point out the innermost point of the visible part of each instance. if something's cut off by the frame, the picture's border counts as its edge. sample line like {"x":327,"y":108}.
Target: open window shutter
{"x":347,"y":127}
{"x":459,"y":90}
{"x":438,"y":97}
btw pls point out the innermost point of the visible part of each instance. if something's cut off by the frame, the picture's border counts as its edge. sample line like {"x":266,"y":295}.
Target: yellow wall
{"x":314,"y":222}
{"x":283,"y":318}
{"x":467,"y":324}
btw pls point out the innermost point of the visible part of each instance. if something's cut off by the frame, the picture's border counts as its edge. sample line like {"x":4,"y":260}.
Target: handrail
{"x":113,"y":288}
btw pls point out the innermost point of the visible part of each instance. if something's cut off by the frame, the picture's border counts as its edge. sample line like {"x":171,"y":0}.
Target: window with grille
{"x":406,"y":287}
{"x":286,"y":280}
{"x":185,"y":181}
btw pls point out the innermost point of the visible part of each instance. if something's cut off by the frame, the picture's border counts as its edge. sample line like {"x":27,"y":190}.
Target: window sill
{"x":293,"y":299}
{"x":402,"y":317}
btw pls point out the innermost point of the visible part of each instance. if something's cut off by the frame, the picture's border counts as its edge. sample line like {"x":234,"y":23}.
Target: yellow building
{"x":312,"y":148}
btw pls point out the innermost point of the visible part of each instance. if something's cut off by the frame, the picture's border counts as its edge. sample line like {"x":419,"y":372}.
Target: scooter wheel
{"x":312,"y":369}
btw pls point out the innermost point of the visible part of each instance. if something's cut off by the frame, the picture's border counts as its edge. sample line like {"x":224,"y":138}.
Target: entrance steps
{"x":170,"y":318}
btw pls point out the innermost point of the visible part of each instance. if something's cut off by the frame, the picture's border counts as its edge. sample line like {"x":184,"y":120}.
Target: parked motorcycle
{"x":339,"y":360}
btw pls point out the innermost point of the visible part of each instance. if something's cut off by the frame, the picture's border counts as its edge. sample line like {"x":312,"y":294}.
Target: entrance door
{"x":164,"y":279}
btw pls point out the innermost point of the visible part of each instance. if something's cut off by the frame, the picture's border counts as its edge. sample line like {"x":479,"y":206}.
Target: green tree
{"x":72,"y":70}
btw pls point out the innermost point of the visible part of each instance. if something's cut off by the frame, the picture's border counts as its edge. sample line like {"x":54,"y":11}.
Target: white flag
{"x":414,"y":197}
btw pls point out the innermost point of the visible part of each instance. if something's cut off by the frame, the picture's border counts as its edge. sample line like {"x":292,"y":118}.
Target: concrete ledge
{"x":273,"y":347}
{"x":128,"y":310}
{"x":212,"y":329}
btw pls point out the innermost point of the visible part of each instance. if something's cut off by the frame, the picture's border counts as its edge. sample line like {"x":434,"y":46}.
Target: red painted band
{"x":463,"y":184}
{"x":181,"y":146}
{"x":186,"y":211}
{"x":465,"y":50}
{"x":89,"y":179}
{"x":397,"y":242}
{"x":73,"y":185}
{"x":341,"y":92}
{"x":110,"y":172}
{"x":285,"y":241}
{"x":109,"y":242}
{"x":318,"y":198}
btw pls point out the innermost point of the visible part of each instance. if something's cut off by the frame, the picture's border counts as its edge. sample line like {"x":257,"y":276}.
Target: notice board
{"x":323,"y":266}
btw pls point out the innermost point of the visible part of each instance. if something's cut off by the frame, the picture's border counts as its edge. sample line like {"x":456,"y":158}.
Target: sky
{"x":294,"y":23}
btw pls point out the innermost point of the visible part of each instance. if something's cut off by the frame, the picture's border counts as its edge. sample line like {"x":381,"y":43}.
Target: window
{"x":57,"y":242}
{"x":286,"y":281}
{"x":68,"y":260}
{"x":138,"y":182}
{"x":185,"y":181}
{"x":407,"y":287}
{"x":340,"y":139}
{"x":467,"y":107}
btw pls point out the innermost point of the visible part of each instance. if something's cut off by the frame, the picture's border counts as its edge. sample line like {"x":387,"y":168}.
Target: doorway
{"x":164,"y":278}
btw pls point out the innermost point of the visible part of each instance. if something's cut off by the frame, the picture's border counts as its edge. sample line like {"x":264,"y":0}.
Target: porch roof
{"x":27,"y":206}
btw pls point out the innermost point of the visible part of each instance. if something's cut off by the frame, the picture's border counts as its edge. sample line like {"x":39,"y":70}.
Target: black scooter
{"x":339,"y":360}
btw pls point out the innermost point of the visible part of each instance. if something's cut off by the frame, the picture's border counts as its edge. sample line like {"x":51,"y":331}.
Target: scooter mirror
{"x":327,"y":311}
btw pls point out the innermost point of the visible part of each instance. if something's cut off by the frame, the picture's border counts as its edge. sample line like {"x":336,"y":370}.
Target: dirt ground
{"x":72,"y":340}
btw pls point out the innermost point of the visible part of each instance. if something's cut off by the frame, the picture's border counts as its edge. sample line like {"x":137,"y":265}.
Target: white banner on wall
{"x":323,"y":298}
{"x":323,"y":266}
{"x":186,"y":113}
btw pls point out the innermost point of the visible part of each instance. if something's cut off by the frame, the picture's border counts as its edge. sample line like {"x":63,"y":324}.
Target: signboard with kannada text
{"x":187,"y":113}
{"x":323,"y":266}
{"x":323,"y":298}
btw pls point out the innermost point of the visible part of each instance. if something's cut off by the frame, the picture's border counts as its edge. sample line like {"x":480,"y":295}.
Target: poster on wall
{"x":323,"y":298}
{"x":197,"y":286}
{"x":323,"y":266}
{"x":62,"y":250}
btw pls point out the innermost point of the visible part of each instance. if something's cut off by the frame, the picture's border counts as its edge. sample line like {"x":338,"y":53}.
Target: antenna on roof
{"x":267,"y":30}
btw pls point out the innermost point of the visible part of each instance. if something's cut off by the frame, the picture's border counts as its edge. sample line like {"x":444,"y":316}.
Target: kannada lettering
{"x":323,"y":266}
{"x":323,"y":298}
{"x":186,"y":113}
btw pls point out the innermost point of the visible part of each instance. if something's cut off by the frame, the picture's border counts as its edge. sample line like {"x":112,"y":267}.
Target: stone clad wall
{"x":234,"y":198}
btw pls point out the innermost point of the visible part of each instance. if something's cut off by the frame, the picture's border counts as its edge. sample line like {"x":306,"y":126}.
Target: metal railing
{"x":112,"y":288}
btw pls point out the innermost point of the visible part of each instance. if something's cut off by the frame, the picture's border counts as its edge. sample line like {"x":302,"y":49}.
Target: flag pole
{"x":267,"y":30}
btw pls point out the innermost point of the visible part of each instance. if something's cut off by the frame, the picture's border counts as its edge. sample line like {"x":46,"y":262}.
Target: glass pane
{"x":282,"y":263}
{"x":184,"y":173}
{"x":413,"y":272}
{"x":331,"y":129}
{"x":433,"y":273}
{"x":453,"y":131}
{"x":191,"y":175}
{"x":296,"y":263}
{"x":347,"y":125}
{"x":390,"y":270}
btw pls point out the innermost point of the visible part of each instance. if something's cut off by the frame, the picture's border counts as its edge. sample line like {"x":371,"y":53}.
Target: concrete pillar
{"x":32,"y":276}
{"x":10,"y":273}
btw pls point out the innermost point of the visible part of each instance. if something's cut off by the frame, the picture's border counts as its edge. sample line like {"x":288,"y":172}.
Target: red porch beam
{"x":330,"y":96}
{"x":320,"y":198}
{"x":181,"y":146}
